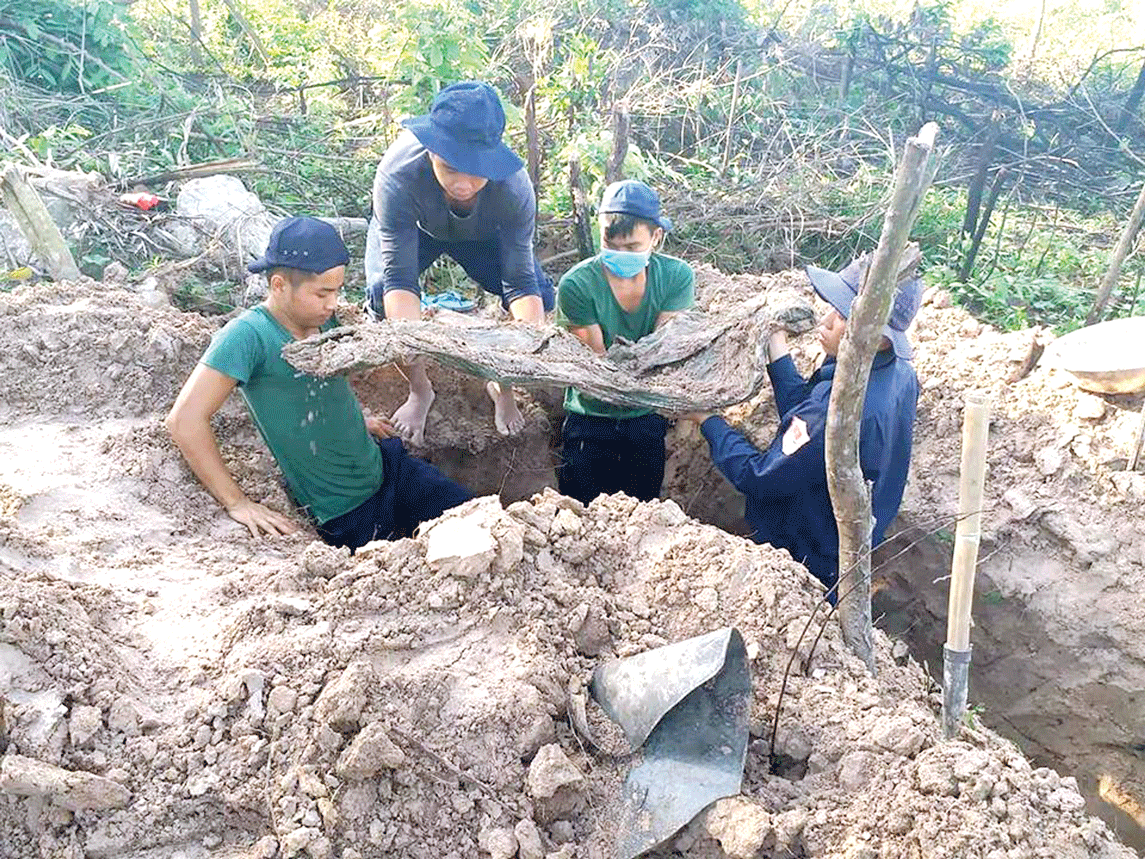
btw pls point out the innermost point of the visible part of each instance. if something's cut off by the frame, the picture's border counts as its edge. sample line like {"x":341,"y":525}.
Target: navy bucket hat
{"x":303,"y":243}
{"x":464,"y":126}
{"x":840,"y":288}
{"x":633,"y":197}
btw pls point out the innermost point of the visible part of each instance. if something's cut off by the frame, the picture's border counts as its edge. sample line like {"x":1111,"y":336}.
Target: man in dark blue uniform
{"x":787,"y":500}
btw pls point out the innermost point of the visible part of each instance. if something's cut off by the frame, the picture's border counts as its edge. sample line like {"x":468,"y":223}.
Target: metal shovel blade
{"x":688,"y":703}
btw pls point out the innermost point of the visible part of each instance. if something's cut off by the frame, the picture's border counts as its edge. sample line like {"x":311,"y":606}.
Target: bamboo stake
{"x":36,"y":224}
{"x":956,"y":653}
{"x":850,"y":495}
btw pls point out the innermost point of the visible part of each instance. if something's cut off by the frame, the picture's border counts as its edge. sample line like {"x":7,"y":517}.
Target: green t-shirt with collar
{"x":585,"y":298}
{"x":314,"y":427}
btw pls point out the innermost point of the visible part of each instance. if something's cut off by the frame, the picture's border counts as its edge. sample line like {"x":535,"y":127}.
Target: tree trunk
{"x":196,"y":33}
{"x":983,"y":223}
{"x":34,"y":221}
{"x":532,"y":142}
{"x":850,"y":494}
{"x":1120,"y":252}
{"x":981,"y":170}
{"x":614,"y":169}
{"x":1132,"y":103}
{"x":582,"y":225}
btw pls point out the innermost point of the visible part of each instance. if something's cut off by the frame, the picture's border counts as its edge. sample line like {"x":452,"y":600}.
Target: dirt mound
{"x":397,"y":703}
{"x":1062,"y":559}
{"x":172,"y":687}
{"x":79,"y":350}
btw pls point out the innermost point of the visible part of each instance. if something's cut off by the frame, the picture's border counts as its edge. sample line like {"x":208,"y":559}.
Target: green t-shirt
{"x":314,"y":427}
{"x":585,"y":298}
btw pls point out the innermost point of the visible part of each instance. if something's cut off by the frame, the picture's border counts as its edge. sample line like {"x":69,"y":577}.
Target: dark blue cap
{"x":633,"y":197}
{"x":464,"y":127}
{"x":303,"y":243}
{"x":839,"y":289}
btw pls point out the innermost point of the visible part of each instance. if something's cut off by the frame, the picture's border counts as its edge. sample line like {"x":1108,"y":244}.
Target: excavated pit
{"x":171,"y":687}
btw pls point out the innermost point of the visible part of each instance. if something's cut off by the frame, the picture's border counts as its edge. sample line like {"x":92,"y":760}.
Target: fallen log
{"x":698,"y":361}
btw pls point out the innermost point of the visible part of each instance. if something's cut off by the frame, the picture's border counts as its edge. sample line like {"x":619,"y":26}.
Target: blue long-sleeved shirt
{"x":787,"y":503}
{"x":407,"y":198}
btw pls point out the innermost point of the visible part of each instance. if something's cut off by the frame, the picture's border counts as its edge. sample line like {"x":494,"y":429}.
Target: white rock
{"x":460,"y":547}
{"x":529,"y":844}
{"x":898,"y":735}
{"x":370,"y":752}
{"x":500,"y":843}
{"x":856,"y":769}
{"x":70,"y":789}
{"x":739,"y":825}
{"x":1049,"y":460}
{"x":295,"y":842}
{"x":1089,"y":408}
{"x":123,"y":717}
{"x":549,"y":771}
{"x":83,"y":722}
{"x":341,"y":702}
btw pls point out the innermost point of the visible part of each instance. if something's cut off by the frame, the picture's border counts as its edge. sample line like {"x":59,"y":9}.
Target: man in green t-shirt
{"x":627,"y":291}
{"x":345,"y":470}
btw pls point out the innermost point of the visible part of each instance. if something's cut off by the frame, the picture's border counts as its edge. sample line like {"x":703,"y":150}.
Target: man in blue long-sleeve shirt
{"x":785,"y":485}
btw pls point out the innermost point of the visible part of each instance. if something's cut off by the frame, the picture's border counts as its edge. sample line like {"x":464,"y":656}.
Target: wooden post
{"x":36,"y":224}
{"x":850,"y":496}
{"x":581,"y":223}
{"x":967,"y":535}
{"x":614,"y":168}
{"x":1120,"y":252}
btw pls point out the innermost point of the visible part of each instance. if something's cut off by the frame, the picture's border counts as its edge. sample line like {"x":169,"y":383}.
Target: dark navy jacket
{"x":787,"y":501}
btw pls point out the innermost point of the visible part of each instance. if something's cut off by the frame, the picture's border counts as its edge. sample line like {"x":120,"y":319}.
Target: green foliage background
{"x":778,"y":163}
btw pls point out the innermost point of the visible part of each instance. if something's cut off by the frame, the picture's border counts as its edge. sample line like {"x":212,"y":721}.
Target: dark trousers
{"x":481,"y":260}
{"x":413,"y":491}
{"x":606,"y":455}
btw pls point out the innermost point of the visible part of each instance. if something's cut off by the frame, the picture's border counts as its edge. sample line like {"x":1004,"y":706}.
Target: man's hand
{"x":776,"y":346}
{"x":380,"y":427}
{"x":260,"y":519}
{"x":698,"y":417}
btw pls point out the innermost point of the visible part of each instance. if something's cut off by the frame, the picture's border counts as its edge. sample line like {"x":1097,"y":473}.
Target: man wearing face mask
{"x":787,"y":500}
{"x":627,"y":290}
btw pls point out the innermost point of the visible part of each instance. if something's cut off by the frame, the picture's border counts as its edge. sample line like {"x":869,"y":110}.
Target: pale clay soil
{"x":173,"y":688}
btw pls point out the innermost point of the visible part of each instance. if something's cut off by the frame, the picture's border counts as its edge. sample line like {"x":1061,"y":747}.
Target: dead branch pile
{"x":698,"y":361}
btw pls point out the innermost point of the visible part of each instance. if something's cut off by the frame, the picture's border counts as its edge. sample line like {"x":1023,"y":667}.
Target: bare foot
{"x":506,"y":416}
{"x":409,"y":419}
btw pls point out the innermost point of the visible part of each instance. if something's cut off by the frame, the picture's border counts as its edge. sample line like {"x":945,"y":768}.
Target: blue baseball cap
{"x":464,"y":126}
{"x":840,"y":288}
{"x":303,"y":243}
{"x":633,"y":197}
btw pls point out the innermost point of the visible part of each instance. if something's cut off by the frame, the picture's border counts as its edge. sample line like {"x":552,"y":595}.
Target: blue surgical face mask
{"x":625,"y":263}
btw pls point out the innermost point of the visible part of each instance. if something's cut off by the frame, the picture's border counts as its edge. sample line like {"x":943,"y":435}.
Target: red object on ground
{"x":141,"y":200}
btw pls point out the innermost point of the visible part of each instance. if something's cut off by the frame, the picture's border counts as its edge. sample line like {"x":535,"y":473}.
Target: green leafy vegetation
{"x":771,"y":129}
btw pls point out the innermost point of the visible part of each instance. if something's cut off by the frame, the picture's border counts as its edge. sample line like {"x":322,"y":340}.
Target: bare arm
{"x":591,"y":336}
{"x":664,"y":316}
{"x":189,"y":423}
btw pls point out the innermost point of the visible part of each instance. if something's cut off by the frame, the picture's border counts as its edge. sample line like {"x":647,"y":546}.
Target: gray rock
{"x":340,"y":703}
{"x":70,"y":789}
{"x":856,"y":769}
{"x":529,"y":844}
{"x":898,"y":735}
{"x":739,"y":825}
{"x":83,"y":722}
{"x":370,"y":752}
